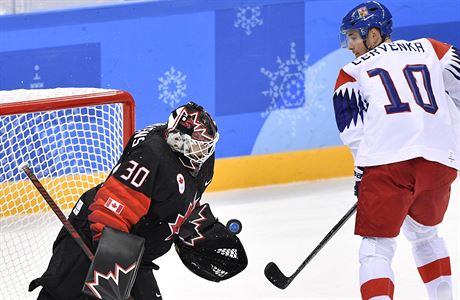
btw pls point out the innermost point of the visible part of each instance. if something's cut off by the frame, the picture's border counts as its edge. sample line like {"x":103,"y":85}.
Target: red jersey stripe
{"x":377,"y":287}
{"x":439,"y":47}
{"x":343,"y":78}
{"x":435,"y":269}
{"x":135,"y":205}
{"x":105,"y":217}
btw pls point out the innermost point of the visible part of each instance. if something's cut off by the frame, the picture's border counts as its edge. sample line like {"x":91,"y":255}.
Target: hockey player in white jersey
{"x":397,"y":109}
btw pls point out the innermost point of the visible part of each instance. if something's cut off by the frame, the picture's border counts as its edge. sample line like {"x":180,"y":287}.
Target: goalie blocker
{"x":113,"y":271}
{"x":208,"y":249}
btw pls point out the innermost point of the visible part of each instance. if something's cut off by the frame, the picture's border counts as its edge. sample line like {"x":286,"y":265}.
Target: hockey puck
{"x":234,"y":226}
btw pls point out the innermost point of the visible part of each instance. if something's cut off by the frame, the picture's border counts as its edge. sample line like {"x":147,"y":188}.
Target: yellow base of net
{"x":22,"y":197}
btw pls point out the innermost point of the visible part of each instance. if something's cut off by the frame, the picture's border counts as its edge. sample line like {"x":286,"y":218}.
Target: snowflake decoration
{"x":293,"y":85}
{"x":248,"y":18}
{"x":172,"y":87}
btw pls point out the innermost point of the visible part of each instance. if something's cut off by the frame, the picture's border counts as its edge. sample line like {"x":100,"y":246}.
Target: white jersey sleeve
{"x":399,"y":101}
{"x":349,"y":109}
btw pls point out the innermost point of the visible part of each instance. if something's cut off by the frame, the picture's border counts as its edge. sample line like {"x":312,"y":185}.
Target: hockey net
{"x":71,"y":138}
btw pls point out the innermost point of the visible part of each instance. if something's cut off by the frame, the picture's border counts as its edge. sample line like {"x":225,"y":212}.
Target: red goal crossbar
{"x":73,"y":101}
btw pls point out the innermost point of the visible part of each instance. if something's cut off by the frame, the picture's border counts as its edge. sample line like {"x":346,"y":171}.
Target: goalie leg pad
{"x":113,"y":270}
{"x":211,"y":251}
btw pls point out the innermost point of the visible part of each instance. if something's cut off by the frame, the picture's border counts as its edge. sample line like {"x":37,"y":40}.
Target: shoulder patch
{"x":114,"y":205}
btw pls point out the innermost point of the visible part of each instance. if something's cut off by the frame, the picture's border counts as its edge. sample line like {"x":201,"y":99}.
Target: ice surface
{"x":283,"y":224}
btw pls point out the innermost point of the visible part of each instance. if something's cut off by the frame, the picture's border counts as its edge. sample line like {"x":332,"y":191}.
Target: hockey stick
{"x":70,"y":229}
{"x":273,"y":272}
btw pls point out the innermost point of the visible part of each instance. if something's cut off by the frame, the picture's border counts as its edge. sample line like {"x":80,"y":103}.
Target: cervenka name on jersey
{"x":399,"y":46}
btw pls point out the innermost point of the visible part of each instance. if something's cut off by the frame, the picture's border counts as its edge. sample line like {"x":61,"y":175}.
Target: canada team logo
{"x":100,"y":284}
{"x":180,"y":219}
{"x":181,"y":183}
{"x":114,"y":206}
{"x":190,"y":121}
{"x":197,"y":224}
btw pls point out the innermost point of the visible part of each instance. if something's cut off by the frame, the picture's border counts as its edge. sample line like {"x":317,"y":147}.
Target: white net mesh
{"x":69,"y":150}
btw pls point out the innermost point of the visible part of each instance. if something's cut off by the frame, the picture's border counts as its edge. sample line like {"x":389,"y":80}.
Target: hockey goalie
{"x":150,"y":201}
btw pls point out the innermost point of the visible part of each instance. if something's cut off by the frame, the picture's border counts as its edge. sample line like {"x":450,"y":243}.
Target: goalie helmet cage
{"x":71,"y":138}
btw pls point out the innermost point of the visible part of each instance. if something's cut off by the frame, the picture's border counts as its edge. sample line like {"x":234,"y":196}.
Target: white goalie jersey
{"x":399,"y":101}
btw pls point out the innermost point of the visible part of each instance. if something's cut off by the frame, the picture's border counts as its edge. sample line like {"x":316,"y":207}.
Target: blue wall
{"x":264,"y":69}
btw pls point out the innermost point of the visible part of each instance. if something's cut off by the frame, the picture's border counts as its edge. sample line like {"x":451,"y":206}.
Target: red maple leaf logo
{"x":115,"y":276}
{"x":174,"y":227}
{"x":199,"y":130}
{"x":197,"y":224}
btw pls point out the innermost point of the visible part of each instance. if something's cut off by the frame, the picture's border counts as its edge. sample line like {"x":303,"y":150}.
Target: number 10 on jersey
{"x":397,"y":105}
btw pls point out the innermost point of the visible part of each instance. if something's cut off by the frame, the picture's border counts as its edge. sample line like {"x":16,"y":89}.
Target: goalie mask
{"x":208,"y":249}
{"x":192,"y":133}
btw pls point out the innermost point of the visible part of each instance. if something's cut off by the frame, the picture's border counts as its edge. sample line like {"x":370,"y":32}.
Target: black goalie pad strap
{"x":210,"y":251}
{"x":113,"y":270}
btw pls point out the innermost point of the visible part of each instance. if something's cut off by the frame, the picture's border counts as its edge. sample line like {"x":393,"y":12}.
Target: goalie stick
{"x":278,"y":279}
{"x":68,"y":226}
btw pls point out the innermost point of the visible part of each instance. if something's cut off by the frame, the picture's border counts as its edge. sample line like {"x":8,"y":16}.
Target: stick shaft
{"x":277,"y":278}
{"x":326,"y":239}
{"x":68,"y":226}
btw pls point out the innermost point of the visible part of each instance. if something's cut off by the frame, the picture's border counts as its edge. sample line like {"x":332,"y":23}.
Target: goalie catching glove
{"x":207,"y":248}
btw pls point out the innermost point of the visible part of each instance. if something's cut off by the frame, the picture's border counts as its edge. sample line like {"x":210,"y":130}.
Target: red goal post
{"x":71,"y":138}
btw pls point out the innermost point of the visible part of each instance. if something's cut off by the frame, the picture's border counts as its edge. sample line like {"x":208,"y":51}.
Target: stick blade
{"x":275,"y":276}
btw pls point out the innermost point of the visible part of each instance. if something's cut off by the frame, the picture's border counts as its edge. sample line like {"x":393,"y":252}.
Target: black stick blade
{"x":276,"y":277}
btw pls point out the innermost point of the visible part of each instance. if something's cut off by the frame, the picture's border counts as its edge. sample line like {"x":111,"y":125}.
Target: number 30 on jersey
{"x":135,"y":174}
